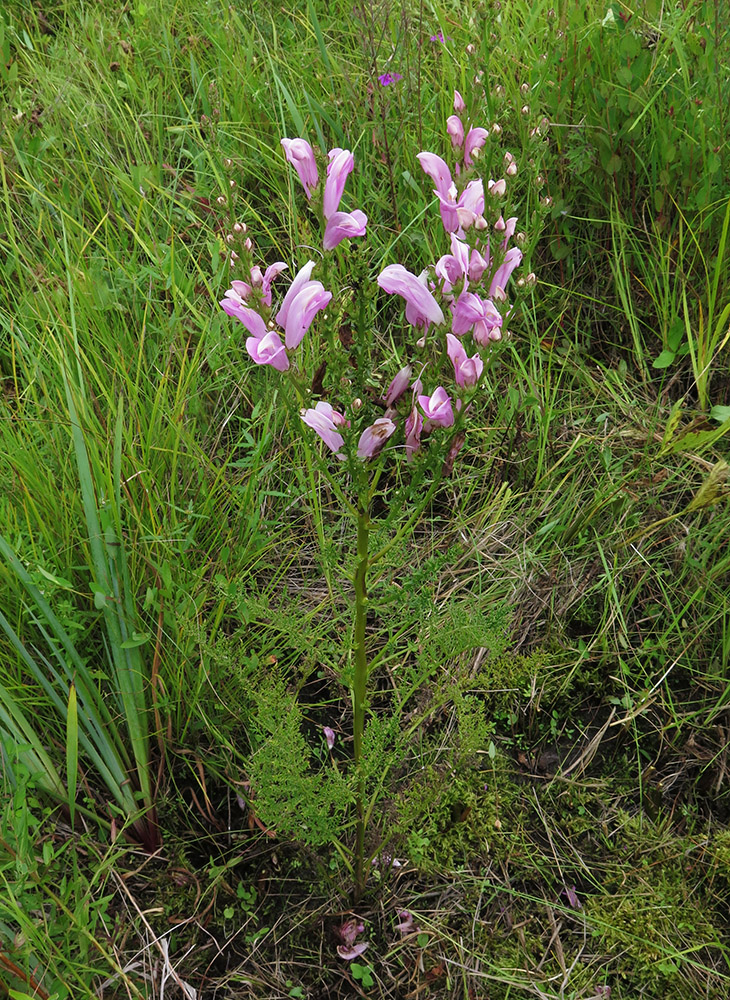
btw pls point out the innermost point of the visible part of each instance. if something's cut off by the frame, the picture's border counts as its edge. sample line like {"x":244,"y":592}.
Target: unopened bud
{"x":499,"y":188}
{"x":547,"y":201}
{"x":511,"y":169}
{"x":531,"y":279}
{"x":480,"y":223}
{"x":248,"y":244}
{"x":525,"y":109}
{"x":499,"y":91}
{"x":498,"y":824}
{"x":496,"y":129}
{"x":221,"y":199}
{"x":231,"y":183}
{"x":470,"y":49}
{"x":459,"y":103}
{"x":500,"y":224}
{"x":539,"y":180}
{"x":356,"y":405}
{"x":230,"y":238}
{"x":520,"y":282}
{"x":550,"y":14}
{"x":521,"y":239}
{"x":525,"y":88}
{"x":240,"y":227}
{"x":234,"y":258}
{"x":228,"y":163}
{"x":421,"y":343}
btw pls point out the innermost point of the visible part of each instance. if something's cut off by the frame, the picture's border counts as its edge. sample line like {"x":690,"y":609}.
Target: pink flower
{"x":501,"y":276}
{"x":414,"y":426}
{"x":301,"y":304}
{"x":509,"y":230}
{"x":475,"y":139}
{"x":324,"y":420}
{"x":301,"y":156}
{"x":479,"y":315}
{"x":338,"y":169}
{"x":461,"y":212}
{"x":249,"y":317}
{"x":399,"y":385}
{"x":329,"y":735}
{"x":406,"y":924}
{"x":437,"y":408}
{"x":455,"y":130}
{"x":268,"y":350}
{"x":422,"y":309}
{"x":459,"y":103}
{"x":343,"y":226}
{"x":241,"y":291}
{"x":347,"y":933}
{"x":467,"y":371}
{"x":374,"y":437}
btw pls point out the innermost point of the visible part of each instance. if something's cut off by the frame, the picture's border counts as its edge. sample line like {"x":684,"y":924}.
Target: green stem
{"x":359,"y":688}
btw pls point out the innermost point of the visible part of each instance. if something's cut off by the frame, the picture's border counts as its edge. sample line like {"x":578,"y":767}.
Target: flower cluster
{"x":463,"y":296}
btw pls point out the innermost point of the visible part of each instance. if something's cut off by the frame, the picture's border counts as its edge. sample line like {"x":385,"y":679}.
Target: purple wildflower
{"x":387,"y":78}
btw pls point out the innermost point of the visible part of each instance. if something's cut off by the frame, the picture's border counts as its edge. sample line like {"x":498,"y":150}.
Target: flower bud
{"x":511,"y":169}
{"x":230,"y":238}
{"x":231,"y":183}
{"x":240,"y":227}
{"x":499,"y":91}
{"x":356,"y":405}
{"x":470,"y":49}
{"x":248,"y":244}
{"x":531,"y":279}
{"x":547,"y":201}
{"x":221,"y":199}
{"x":539,"y":180}
{"x":520,"y":283}
{"x":421,"y":343}
{"x":525,"y":109}
{"x":525,"y":88}
{"x":499,"y":188}
{"x":228,"y":163}
{"x":521,"y":239}
{"x":496,"y":129}
{"x":500,"y":224}
{"x":459,"y":103}
{"x":480,"y":223}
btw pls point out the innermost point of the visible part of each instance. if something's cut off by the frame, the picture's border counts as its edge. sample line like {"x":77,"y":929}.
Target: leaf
{"x":138,"y":639}
{"x":72,"y":749}
{"x":699,"y":440}
{"x":664,"y":360}
{"x":720,"y":413}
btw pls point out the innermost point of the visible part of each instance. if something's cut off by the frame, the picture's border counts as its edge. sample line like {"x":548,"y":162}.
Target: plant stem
{"x":359,"y":687}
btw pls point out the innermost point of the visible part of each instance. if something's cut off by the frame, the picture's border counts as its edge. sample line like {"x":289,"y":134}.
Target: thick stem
{"x":359,"y":688}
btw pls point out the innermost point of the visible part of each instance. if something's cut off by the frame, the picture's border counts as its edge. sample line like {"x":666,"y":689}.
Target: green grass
{"x":551,"y":647}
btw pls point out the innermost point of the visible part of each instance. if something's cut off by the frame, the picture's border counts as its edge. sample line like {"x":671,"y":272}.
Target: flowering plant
{"x":458,"y":308}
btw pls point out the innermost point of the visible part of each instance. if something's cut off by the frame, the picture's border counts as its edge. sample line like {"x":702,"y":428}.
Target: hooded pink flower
{"x":344,"y":226}
{"x":461,"y":212}
{"x":467,"y":371}
{"x":459,"y":103}
{"x":340,"y":166}
{"x":399,"y":385}
{"x":475,"y":139}
{"x":438,"y":409}
{"x":324,"y":420}
{"x":268,"y":350}
{"x":347,"y":933}
{"x":413,"y":428}
{"x":301,"y":156}
{"x":501,"y":276}
{"x":422,"y":309}
{"x":301,"y":304}
{"x":241,"y":291}
{"x":249,"y":317}
{"x":374,"y":437}
{"x":455,"y":130}
{"x":478,"y":315}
